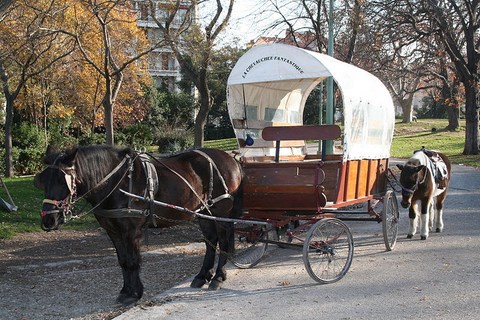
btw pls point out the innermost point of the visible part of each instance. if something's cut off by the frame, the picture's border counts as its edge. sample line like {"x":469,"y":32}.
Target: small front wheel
{"x":328,"y":250}
{"x":390,"y":217}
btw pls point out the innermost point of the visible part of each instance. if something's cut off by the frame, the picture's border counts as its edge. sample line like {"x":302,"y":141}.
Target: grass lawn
{"x":412,"y":136}
{"x":407,"y":137}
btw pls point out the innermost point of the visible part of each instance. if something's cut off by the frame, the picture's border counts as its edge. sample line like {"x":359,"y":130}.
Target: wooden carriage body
{"x":312,"y":185}
{"x":267,"y":91}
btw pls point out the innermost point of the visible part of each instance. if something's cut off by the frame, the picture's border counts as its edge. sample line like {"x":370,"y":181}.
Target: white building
{"x":162,"y":64}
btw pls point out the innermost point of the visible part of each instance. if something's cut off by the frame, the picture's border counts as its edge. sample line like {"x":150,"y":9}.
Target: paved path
{"x":434,"y":279}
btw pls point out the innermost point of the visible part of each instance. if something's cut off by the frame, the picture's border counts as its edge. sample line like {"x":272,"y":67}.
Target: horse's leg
{"x":431,"y":212}
{"x":439,"y":212}
{"x":412,"y":214}
{"x":211,"y":240}
{"x":426,"y":205}
{"x":225,"y":241}
{"x":126,"y":236}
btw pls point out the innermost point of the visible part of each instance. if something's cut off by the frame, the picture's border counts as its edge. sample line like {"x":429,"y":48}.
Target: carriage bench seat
{"x":307,"y":132}
{"x":292,"y":185}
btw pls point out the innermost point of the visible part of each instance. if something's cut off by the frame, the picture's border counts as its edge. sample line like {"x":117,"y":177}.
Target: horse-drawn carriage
{"x":278,"y":188}
{"x":294,"y":188}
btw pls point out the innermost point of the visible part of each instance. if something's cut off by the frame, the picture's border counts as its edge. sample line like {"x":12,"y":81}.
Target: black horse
{"x":129,"y":190}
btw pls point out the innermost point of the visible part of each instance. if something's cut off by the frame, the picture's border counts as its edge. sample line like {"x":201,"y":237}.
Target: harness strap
{"x":121,"y":212}
{"x":49,"y":201}
{"x":213,"y":165}
{"x":188,"y":184}
{"x":205,"y":205}
{"x":108,"y":176}
{"x":152,"y":183}
{"x":105,"y":179}
{"x":411,"y":191}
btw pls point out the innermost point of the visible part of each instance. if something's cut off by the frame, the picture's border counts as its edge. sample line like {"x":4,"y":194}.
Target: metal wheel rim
{"x":390,"y":216}
{"x":322,"y":265}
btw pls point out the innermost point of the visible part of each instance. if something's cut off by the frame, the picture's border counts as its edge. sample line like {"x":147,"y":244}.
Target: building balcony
{"x":164,"y":73}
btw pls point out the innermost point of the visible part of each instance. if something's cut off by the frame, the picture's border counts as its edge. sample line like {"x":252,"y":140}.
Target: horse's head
{"x":411,"y":175}
{"x":58,"y":183}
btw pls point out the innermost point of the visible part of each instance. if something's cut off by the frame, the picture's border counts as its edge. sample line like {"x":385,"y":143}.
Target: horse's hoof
{"x":423,"y":237}
{"x":121,"y":297}
{"x":438,"y":230}
{"x":409,"y":236}
{"x":126,"y":301}
{"x":197,"y":283}
{"x":215,"y":285}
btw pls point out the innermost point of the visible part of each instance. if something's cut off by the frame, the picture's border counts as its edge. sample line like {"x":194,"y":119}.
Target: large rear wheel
{"x":328,"y":250}
{"x":250,"y":244}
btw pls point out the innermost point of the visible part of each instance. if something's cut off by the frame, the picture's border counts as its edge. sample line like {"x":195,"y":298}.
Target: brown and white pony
{"x":420,"y":188}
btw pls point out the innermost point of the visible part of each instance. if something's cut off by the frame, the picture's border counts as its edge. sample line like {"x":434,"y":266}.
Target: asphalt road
{"x":434,"y":279}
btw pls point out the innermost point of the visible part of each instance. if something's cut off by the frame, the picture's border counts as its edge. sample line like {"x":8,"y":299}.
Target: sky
{"x":244,"y":25}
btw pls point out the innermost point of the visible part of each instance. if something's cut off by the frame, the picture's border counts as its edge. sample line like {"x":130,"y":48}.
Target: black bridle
{"x":65,"y":206}
{"x":406,"y":192}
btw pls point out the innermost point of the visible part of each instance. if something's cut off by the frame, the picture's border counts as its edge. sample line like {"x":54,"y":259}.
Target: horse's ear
{"x":400,"y":166}
{"x":50,"y":155}
{"x":50,"y":150}
{"x":124,"y":152}
{"x":69,"y":159}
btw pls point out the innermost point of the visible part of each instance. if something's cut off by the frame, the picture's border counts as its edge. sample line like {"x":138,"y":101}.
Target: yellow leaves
{"x":106,"y":36}
{"x":61,"y":112}
{"x":107,"y":27}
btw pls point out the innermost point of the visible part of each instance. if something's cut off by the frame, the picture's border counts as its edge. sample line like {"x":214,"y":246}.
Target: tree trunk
{"x":108,"y":121}
{"x":108,"y":110}
{"x":453,"y":122}
{"x":8,"y":137}
{"x":471,"y":118}
{"x":406,"y":105}
{"x":201,"y":118}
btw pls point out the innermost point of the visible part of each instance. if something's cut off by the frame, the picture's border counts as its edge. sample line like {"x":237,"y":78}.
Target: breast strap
{"x":212,"y":166}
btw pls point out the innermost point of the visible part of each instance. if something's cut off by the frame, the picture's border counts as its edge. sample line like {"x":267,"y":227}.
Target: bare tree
{"x":305,"y":24}
{"x":193,"y":46}
{"x":454,"y":24}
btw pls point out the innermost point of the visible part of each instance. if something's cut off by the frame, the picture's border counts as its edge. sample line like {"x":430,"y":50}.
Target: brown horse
{"x":424,"y":179}
{"x":203,"y":181}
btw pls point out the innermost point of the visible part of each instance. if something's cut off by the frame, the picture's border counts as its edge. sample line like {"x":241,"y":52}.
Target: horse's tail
{"x":237,"y":209}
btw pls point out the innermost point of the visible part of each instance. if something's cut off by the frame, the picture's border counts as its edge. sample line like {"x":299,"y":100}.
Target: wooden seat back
{"x":308,"y":132}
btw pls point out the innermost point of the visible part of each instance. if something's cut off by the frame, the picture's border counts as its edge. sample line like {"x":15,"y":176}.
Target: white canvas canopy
{"x":270,"y":84}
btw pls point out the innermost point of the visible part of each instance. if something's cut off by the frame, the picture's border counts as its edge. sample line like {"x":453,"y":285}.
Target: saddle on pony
{"x":437,"y":167}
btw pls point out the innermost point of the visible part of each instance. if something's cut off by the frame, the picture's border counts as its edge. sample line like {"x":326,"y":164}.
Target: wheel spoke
{"x":328,"y":250}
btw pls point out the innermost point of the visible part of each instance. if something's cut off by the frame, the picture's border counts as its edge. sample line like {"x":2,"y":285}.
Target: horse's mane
{"x":94,"y":162}
{"x":418,"y":157}
{"x":178,"y":153}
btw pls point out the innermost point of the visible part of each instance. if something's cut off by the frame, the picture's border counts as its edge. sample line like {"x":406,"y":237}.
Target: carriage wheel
{"x":390,"y":217}
{"x":250,"y":244}
{"x":328,"y":250}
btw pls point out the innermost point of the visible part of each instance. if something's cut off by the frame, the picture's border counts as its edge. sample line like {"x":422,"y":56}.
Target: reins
{"x":151,"y":175}
{"x":210,"y":202}
{"x":71,"y":199}
{"x":108,"y":176}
